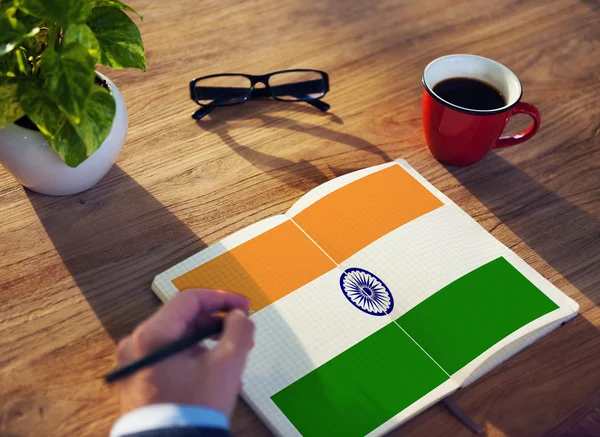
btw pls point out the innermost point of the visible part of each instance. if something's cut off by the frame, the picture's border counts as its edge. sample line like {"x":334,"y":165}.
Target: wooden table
{"x":76,"y":271}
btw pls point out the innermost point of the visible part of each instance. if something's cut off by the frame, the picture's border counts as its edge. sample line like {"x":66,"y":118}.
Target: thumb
{"x":237,"y":338}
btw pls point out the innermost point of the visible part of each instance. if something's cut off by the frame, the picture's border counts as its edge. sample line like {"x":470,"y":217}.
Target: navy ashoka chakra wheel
{"x":366,"y":292}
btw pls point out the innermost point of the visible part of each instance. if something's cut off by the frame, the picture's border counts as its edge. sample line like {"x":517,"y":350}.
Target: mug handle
{"x":524,"y":135}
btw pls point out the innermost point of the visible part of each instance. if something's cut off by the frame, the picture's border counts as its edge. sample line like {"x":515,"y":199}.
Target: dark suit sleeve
{"x":182,"y":432}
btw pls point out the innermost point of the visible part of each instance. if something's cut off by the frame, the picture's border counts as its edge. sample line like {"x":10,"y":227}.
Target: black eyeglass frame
{"x":260,"y":92}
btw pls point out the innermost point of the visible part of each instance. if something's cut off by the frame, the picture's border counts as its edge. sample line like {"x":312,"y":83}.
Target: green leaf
{"x":68,"y":75}
{"x":29,"y":21}
{"x":8,"y":7}
{"x":12,"y":32}
{"x":115,"y":4}
{"x":11,"y":108}
{"x":119,"y":38}
{"x":14,"y":64}
{"x":63,"y":12}
{"x":41,"y":109}
{"x":73,"y":143}
{"x":83,"y":35}
{"x":97,"y":118}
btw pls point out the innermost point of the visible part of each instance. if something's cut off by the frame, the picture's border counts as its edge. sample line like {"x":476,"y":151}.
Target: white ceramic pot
{"x":26,"y":154}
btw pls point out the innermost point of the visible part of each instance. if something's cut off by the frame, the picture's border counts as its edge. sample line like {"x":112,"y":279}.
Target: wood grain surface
{"x":75,"y":272}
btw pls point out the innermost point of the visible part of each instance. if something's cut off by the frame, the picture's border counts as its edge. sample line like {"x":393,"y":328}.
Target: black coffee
{"x":470,"y":93}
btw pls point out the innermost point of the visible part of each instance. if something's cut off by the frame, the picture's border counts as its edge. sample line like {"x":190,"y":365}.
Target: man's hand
{"x":209,"y":378}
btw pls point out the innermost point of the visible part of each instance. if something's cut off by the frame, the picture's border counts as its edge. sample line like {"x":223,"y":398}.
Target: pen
{"x":165,"y":352}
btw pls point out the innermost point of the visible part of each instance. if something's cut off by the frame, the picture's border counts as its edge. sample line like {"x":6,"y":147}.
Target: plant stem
{"x":53,"y":35}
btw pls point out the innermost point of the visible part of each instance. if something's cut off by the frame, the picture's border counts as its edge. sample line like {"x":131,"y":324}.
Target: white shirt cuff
{"x":168,"y":416}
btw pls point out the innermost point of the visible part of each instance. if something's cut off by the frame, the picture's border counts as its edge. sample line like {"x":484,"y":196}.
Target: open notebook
{"x":375,"y":297}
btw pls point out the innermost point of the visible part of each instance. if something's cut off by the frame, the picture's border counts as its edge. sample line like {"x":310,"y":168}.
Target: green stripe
{"x":467,"y":317}
{"x":361,"y":388}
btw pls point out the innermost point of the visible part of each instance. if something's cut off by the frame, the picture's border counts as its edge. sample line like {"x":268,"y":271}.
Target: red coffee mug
{"x":462,"y":136}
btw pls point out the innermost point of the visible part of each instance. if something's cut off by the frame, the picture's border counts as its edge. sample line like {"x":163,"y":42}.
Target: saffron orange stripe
{"x":263,"y":269}
{"x":352,"y":217}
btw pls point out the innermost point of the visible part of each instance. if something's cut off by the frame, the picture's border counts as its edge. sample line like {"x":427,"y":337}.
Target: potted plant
{"x":62,"y":124}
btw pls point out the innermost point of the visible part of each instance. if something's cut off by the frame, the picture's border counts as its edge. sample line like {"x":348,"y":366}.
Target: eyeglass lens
{"x":289,"y":86}
{"x":222,"y":90}
{"x":297,"y":85}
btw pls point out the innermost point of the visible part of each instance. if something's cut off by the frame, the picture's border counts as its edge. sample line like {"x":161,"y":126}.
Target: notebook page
{"x":421,"y":258}
{"x":435,"y":250}
{"x":333,"y":217}
{"x":524,"y":336}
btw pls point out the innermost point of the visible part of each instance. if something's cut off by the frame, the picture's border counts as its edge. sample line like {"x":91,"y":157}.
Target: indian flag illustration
{"x":366,"y":314}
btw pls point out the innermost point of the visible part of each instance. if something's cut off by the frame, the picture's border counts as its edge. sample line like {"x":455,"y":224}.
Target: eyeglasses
{"x":233,"y":89}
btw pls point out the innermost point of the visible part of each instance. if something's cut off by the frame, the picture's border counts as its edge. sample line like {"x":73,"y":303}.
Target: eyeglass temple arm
{"x":319,"y":104}
{"x":294,"y":89}
{"x":202,"y":112}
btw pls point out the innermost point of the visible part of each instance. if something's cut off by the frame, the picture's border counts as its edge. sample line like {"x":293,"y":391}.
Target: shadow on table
{"x":114,"y":239}
{"x":563,"y":234}
{"x":302,"y":175}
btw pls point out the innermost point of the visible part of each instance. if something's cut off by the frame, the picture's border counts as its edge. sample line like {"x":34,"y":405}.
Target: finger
{"x":124,"y":352}
{"x":178,"y":316}
{"x":204,"y":320}
{"x":209,"y":320}
{"x":238,"y":336}
{"x":196,"y":350}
